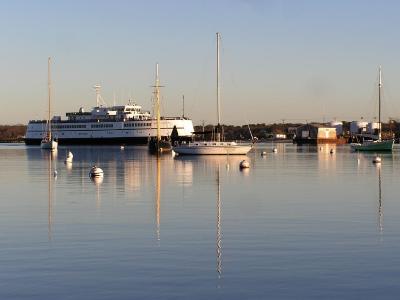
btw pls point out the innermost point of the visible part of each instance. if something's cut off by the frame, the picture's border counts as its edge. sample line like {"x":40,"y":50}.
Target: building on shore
{"x":316,"y":133}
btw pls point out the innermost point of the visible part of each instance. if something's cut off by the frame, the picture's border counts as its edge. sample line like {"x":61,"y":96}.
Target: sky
{"x":291,"y":61}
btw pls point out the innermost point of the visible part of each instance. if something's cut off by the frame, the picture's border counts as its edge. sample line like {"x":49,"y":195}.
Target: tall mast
{"x":183,"y":106}
{"x":379,"y":98}
{"x":49,"y":93}
{"x":157,"y":94}
{"x":97,"y":88}
{"x":218,"y":89}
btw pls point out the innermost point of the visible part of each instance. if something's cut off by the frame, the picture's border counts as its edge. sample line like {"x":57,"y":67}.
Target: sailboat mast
{"x":49,"y":94}
{"x":379,"y":98}
{"x":157,"y":94}
{"x":218,"y":90}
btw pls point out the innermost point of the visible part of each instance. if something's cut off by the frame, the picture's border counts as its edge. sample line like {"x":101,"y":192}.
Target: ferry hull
{"x":95,"y":141}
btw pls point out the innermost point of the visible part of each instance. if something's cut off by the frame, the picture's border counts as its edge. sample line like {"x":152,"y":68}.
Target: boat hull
{"x":374,"y":146}
{"x":51,"y":145}
{"x":95,"y":141}
{"x":212,"y":150}
{"x":162,"y":146}
{"x":88,"y":133}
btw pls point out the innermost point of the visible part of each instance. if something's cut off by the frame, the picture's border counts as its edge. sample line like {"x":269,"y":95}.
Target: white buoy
{"x":96,"y":172}
{"x":332,"y":151}
{"x":55,"y":173}
{"x":377,"y":160}
{"x":275,"y":150}
{"x":244,"y":164}
{"x":264,"y":153}
{"x":69,"y":157}
{"x":122,"y":147}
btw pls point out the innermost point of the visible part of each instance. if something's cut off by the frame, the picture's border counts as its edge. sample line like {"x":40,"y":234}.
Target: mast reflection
{"x":50,"y":193}
{"x":158,"y":192}
{"x":218,"y":227}
{"x":380,"y":201}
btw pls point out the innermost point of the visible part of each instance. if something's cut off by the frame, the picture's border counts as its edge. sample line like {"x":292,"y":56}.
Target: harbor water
{"x":301,"y":223}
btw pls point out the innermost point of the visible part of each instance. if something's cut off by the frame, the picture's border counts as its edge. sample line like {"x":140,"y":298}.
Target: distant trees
{"x":12,"y":132}
{"x":262,"y":131}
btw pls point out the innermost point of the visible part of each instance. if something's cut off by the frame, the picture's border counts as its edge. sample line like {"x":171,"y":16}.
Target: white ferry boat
{"x":120,"y":124}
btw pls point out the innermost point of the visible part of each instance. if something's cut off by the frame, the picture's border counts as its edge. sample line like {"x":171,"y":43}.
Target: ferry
{"x":119,"y":124}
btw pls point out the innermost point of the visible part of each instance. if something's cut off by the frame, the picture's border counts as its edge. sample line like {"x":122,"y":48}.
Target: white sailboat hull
{"x":210,"y":148}
{"x":51,"y":145}
{"x":373,"y":146}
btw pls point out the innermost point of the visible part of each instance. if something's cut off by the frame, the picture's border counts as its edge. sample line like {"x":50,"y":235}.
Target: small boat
{"x":69,"y":157}
{"x":96,"y":172}
{"x":218,"y":146}
{"x":375,"y":144}
{"x":49,"y":141}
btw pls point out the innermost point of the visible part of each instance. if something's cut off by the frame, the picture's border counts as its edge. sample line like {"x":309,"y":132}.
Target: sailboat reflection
{"x":380,"y":201}
{"x":50,"y":194}
{"x":158,"y":192}
{"x":218,"y":227}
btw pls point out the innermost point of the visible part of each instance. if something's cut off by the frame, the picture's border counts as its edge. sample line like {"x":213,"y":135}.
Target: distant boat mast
{"x":379,"y":98}
{"x":157,"y":94}
{"x":218,"y":91}
{"x":49,"y":95}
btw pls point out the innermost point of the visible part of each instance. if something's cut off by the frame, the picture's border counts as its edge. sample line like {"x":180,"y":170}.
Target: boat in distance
{"x":48,"y":141}
{"x":375,"y":144}
{"x":119,"y":124}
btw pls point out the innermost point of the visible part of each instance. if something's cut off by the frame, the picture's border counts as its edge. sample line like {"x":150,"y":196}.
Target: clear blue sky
{"x":292,"y":60}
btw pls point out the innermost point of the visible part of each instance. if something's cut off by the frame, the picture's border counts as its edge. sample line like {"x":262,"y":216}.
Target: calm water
{"x":300,"y":224}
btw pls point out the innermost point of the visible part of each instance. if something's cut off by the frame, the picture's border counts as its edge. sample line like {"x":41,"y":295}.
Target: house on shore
{"x":315,"y":133}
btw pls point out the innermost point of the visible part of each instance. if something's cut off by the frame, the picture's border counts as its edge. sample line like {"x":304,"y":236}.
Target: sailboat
{"x":48,"y":141}
{"x":157,"y":144}
{"x":378,"y":144}
{"x":217,"y":146}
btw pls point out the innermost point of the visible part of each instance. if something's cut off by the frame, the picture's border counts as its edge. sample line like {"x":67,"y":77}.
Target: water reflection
{"x":68,"y":166}
{"x":50,"y":190}
{"x":97,"y":181}
{"x":158,"y":192}
{"x":380,"y":201}
{"x":218,"y":223}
